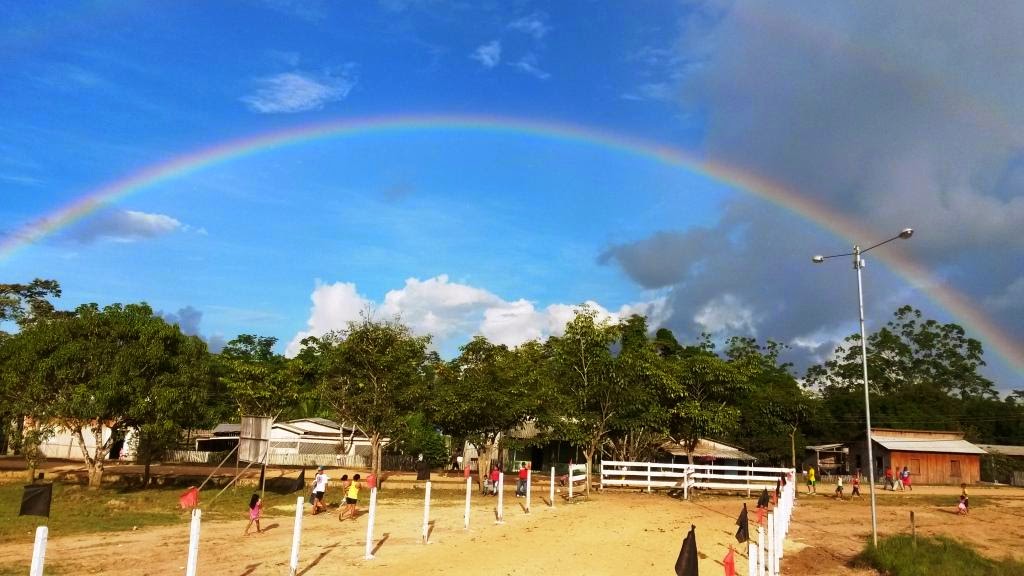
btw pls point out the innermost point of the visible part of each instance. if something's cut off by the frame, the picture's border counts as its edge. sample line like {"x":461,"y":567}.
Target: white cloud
{"x":334,"y":306}
{"x":528,"y":65}
{"x":489,"y":55}
{"x":726,"y":313}
{"x":656,"y":91}
{"x":291,"y":92}
{"x":125,"y":226}
{"x":452,"y":312}
{"x":535,"y":25}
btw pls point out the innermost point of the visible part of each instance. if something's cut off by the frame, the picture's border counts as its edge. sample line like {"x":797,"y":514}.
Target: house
{"x":709,"y":451}
{"x":828,"y":459}
{"x":314,"y":436}
{"x":933,"y":457}
{"x":1011,"y":470}
{"x":63,"y":444}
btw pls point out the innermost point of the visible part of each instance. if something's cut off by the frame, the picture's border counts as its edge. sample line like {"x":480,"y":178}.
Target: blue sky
{"x":464,"y":232}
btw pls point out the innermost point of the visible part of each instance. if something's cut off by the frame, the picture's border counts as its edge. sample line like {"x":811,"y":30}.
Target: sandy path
{"x":613,"y":533}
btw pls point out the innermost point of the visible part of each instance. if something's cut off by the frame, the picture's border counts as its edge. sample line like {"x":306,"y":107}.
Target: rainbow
{"x":955,"y":303}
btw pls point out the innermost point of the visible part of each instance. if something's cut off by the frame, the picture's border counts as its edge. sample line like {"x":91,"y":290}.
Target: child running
{"x":255,"y":511}
{"x":855,"y":482}
{"x":351,"y":498}
{"x":839,"y":487}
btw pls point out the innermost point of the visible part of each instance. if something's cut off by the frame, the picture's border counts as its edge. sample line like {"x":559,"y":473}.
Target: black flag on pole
{"x":263,"y":474}
{"x":743,"y":532}
{"x":35,"y":501}
{"x":300,"y":482}
{"x":764,"y":499}
{"x":686,"y":563}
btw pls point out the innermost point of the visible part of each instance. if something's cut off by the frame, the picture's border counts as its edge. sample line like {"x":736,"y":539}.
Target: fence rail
{"x":389,"y":461}
{"x":651,"y":475}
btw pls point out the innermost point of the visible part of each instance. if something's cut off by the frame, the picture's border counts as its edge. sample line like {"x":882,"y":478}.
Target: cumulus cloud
{"x":188,"y":320}
{"x":535,"y":25}
{"x":891,"y":118}
{"x":489,"y":54}
{"x":124,"y":226}
{"x":452,"y":312}
{"x":291,"y":92}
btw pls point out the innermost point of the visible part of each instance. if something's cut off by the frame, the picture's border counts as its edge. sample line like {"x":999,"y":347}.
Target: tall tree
{"x":27,"y":303}
{"x":374,"y":374}
{"x":256,"y":377}
{"x":486,"y":391}
{"x":586,"y":392}
{"x":99,"y":369}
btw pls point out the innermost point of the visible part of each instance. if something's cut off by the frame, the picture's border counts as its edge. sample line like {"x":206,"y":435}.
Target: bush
{"x":939,"y":556}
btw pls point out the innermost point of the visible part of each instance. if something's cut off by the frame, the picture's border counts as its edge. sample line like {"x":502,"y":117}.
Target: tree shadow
{"x":430,"y":528}
{"x":250,"y":569}
{"x":380,"y":543}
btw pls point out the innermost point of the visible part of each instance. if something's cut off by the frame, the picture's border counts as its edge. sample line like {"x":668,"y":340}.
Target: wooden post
{"x":913,"y":530}
{"x":552,"y":487}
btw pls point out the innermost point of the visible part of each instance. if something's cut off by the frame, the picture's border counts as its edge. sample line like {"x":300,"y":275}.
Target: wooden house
{"x":933,"y":457}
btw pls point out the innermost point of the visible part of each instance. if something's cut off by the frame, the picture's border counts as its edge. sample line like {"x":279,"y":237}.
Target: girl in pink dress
{"x":255,"y":511}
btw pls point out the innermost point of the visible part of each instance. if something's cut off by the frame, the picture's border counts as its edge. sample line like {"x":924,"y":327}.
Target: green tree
{"x":586,"y":393}
{"x":100,"y":369}
{"x":374,"y":374}
{"x":258,"y":379}
{"x":24,"y":304}
{"x":487,"y":391}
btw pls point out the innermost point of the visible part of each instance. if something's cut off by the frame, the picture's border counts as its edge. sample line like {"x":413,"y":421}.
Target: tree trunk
{"x":375,"y":456}
{"x":483,"y":462}
{"x":93,"y":462}
{"x":145,"y":472}
{"x":589,"y":454}
{"x":792,"y":445}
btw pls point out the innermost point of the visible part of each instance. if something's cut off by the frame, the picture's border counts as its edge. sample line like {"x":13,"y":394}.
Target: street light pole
{"x":858,"y":265}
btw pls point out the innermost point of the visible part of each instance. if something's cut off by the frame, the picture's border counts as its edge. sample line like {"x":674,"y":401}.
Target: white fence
{"x":651,"y":475}
{"x":390,"y":461}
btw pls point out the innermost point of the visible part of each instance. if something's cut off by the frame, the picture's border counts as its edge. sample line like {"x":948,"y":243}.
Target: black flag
{"x":778,"y":488}
{"x":686,"y":564}
{"x":263,"y":475}
{"x":35,"y":501}
{"x":300,"y":482}
{"x":764,"y":499}
{"x":743,"y":532}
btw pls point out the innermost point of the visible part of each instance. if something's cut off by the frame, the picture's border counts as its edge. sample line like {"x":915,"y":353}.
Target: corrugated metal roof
{"x":905,"y":444}
{"x":708,"y":449}
{"x":825,"y":447}
{"x":1003,"y":449}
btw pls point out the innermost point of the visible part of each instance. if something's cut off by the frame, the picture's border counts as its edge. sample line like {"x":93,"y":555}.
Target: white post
{"x":686,"y":483}
{"x":501,"y":498}
{"x":552,"y":487}
{"x":569,"y":476}
{"x":748,"y":479}
{"x":752,"y":559}
{"x":426,"y":514}
{"x":39,"y":551}
{"x":778,"y":544}
{"x":648,"y":477}
{"x":369,"y":525}
{"x":529,"y":483}
{"x":760,"y":551}
{"x":193,"y":543}
{"x":465,"y":515}
{"x":296,"y":537}
{"x":602,"y":477}
{"x":771,"y":543}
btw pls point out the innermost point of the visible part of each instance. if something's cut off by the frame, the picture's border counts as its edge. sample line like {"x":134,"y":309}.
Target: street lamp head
{"x":818,"y":259}
{"x":906,"y":233}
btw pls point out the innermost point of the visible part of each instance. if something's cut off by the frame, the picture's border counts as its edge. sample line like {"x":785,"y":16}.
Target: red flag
{"x":730,"y":563}
{"x":466,"y":472}
{"x":760,"y":515}
{"x":190,"y":498}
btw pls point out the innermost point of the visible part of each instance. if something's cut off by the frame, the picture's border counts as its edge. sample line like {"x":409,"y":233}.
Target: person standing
{"x":521,"y":482}
{"x":495,"y":475}
{"x":905,"y":479}
{"x":855,"y":482}
{"x":839,"y":487}
{"x":255,"y":511}
{"x":890,"y":483}
{"x":811,"y":481}
{"x":319,"y":489}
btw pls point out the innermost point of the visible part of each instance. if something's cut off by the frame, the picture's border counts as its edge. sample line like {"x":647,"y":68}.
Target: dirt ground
{"x":612,"y":533}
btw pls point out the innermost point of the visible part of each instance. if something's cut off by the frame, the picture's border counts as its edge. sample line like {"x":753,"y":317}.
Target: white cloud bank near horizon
{"x":452,"y":311}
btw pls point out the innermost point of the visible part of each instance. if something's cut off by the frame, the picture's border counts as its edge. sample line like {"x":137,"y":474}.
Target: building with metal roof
{"x":932,"y":456}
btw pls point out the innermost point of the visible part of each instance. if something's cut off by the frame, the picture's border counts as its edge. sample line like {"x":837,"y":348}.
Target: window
{"x":954,"y":468}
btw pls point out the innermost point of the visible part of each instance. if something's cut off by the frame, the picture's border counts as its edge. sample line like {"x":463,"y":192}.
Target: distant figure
{"x":964,"y":507}
{"x":839,"y":487}
{"x":521,"y":482}
{"x":811,"y":481}
{"x":319,"y":488}
{"x":855,"y":481}
{"x":351,"y":499}
{"x":890,"y":483}
{"x":422,"y":469}
{"x":905,"y":479}
{"x":255,"y":511}
{"x":495,"y":475}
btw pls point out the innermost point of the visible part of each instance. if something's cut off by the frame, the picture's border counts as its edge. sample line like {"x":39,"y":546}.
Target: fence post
{"x":293,"y":564}
{"x":602,"y":476}
{"x":369,"y":524}
{"x":686,"y":483}
{"x":648,"y":477}
{"x":39,"y":551}
{"x":193,"y":543}
{"x":426,"y":514}
{"x":752,"y":559}
{"x":529,"y":485}
{"x":501,"y":498}
{"x":552,"y":487}
{"x":760,"y":551}
{"x":569,"y":476}
{"x":465,"y":515}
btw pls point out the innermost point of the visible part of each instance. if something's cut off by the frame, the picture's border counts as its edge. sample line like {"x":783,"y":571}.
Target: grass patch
{"x":939,"y":556}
